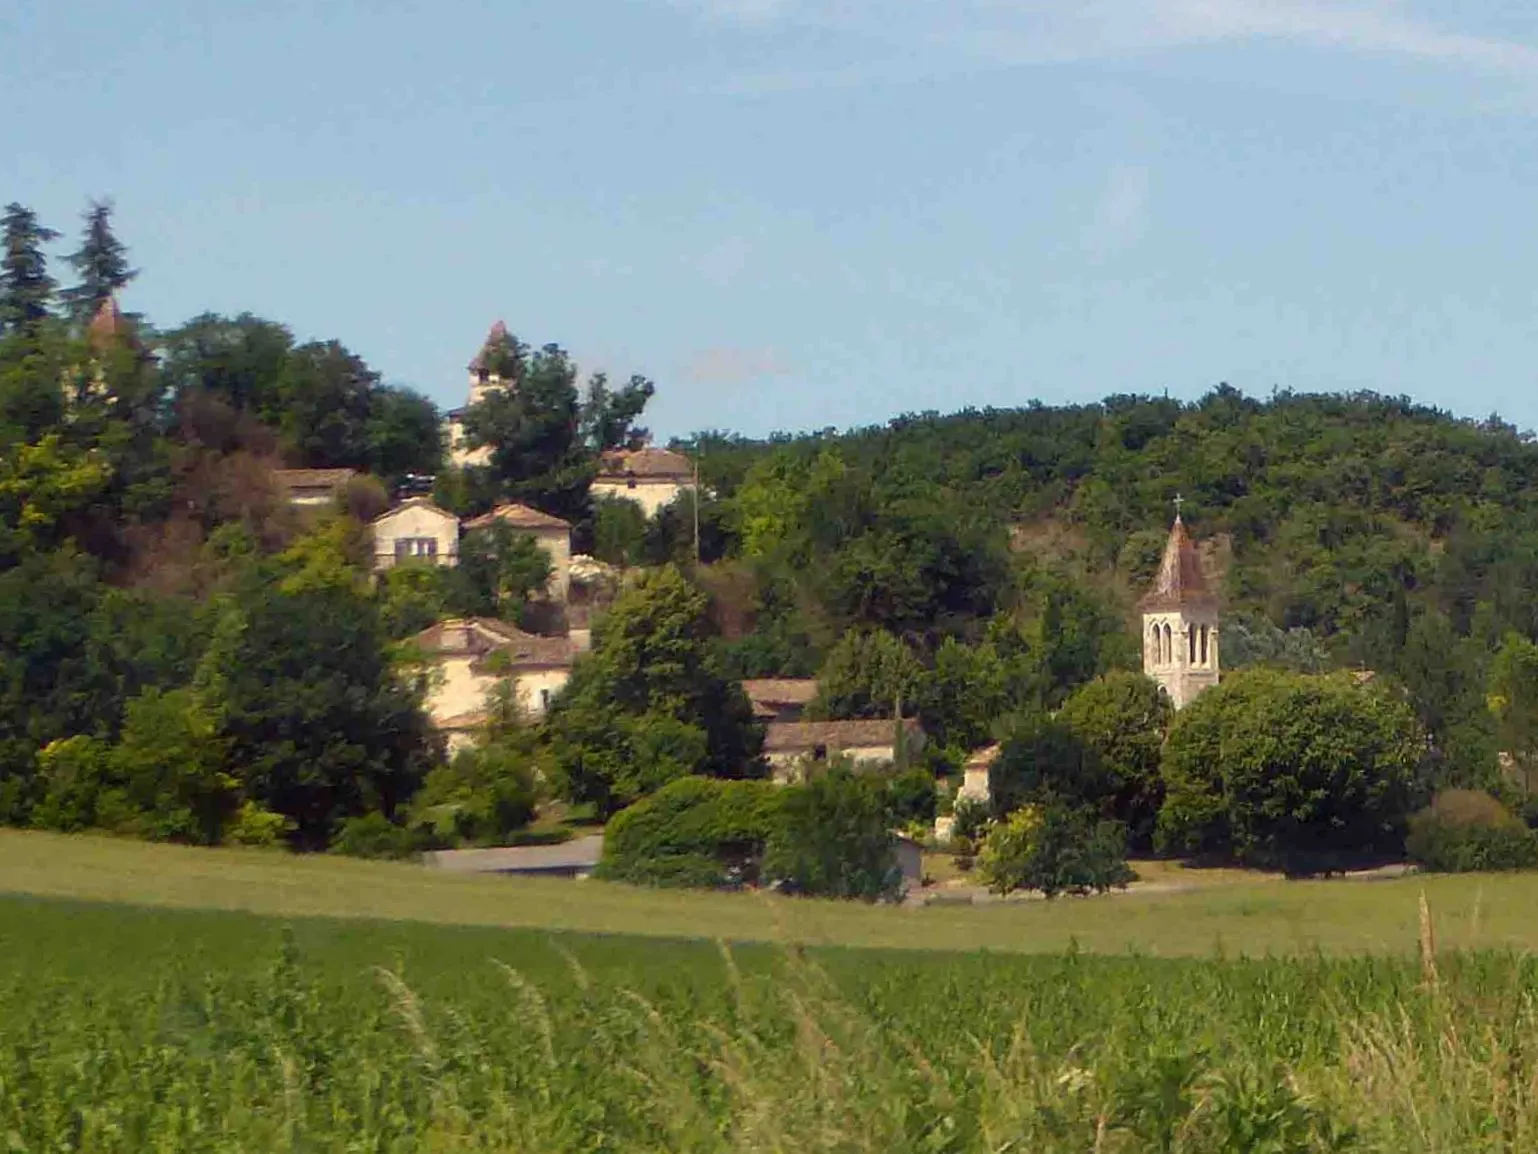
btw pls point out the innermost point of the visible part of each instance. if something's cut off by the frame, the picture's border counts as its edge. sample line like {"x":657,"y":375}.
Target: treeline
{"x":1006,"y":548}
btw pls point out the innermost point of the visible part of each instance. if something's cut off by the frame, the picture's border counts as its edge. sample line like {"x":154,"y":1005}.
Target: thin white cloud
{"x":728,"y":365}
{"x":1122,"y":215}
{"x":1024,"y":31}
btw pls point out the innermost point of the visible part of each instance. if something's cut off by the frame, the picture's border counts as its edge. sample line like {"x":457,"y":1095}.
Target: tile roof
{"x":983,"y":758}
{"x":314,"y":478}
{"x":647,"y":464}
{"x":415,"y":503}
{"x":798,"y":736}
{"x":480,"y":638}
{"x":1180,"y":582}
{"x":519,"y":517}
{"x":781,"y":690}
{"x":107,"y":325}
{"x":495,"y":337}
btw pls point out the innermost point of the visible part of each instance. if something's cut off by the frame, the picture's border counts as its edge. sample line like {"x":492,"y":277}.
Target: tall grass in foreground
{"x":381,"y":1041}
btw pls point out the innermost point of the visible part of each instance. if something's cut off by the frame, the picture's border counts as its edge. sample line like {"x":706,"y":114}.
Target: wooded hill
{"x":965,"y":566}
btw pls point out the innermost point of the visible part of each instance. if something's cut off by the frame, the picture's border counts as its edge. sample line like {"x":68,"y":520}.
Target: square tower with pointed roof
{"x":1180,"y":623}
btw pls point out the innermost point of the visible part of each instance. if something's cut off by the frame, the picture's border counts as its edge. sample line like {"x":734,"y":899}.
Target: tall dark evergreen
{"x":26,"y":289}
{"x":101,"y":263}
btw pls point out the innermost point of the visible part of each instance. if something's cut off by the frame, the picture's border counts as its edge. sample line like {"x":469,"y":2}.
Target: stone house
{"x":415,"y":531}
{"x":652,"y":478}
{"x":552,"y":534}
{"x":471,"y":656}
{"x":311,"y":488}
{"x":789,"y":744}
{"x":780,"y":698}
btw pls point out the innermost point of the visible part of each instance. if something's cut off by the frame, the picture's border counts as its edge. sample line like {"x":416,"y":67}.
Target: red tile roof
{"x":519,"y":517}
{"x":1180,"y":582}
{"x":800,"y":736}
{"x":645,"y":464}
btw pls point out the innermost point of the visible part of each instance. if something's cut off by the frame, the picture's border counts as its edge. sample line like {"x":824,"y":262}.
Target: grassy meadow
{"x":155,"y":999}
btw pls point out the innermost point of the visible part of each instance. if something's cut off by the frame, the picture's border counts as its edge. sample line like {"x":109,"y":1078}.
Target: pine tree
{"x":101,"y":263}
{"x":26,"y":289}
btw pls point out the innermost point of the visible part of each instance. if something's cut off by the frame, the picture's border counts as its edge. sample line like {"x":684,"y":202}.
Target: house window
{"x":819,"y":753}
{"x":406,"y":547}
{"x":544,"y":699}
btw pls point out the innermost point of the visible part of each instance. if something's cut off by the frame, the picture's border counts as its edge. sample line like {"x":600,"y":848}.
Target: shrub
{"x":254,"y":826}
{"x":374,"y":836}
{"x":1284,"y":769}
{"x":912,"y":796}
{"x":483,"y":796}
{"x":1055,"y":850}
{"x":832,"y":838}
{"x":695,"y":831}
{"x":1466,"y":831}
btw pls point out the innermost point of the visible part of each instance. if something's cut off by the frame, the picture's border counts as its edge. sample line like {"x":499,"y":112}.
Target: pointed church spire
{"x":495,"y":339}
{"x":1179,"y":582}
{"x":107,"y":325}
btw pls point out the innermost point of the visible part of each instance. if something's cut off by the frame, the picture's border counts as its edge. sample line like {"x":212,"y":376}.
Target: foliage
{"x":1122,"y":719}
{"x":619,"y":531}
{"x":1054,"y":850}
{"x":308,"y":663}
{"x":695,"y":832}
{"x":258,"y":827}
{"x":26,"y":289}
{"x":646,"y":705}
{"x":101,"y":263}
{"x":833,"y":838}
{"x":911,"y":796}
{"x":511,"y":1039}
{"x":484,"y":794}
{"x":1465,"y":831}
{"x":1042,"y":762}
{"x":1514,"y":703}
{"x":867,"y":674}
{"x":1292,"y":770}
{"x":372,"y":835}
{"x":499,"y":570}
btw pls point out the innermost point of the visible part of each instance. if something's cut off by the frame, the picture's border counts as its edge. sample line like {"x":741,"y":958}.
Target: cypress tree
{"x":101,"y":263}
{"x":26,"y":289}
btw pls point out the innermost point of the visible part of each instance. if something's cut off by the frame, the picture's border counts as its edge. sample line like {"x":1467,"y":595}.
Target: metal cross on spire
{"x":1179,"y":501}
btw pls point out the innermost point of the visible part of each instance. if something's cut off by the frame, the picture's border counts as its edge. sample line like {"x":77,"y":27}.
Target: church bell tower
{"x":1180,"y":622}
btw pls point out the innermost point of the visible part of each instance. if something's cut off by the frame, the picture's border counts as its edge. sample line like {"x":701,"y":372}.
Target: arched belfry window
{"x":1204,"y":645}
{"x":1191,"y":644}
{"x":1169,"y":645}
{"x":1158,"y":646}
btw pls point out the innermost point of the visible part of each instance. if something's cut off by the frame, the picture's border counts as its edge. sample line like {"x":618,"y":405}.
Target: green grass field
{"x":1266,"y":916}
{"x":153,"y":998}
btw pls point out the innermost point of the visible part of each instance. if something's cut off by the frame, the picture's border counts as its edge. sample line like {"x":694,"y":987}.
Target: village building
{"x":789,"y":745}
{"x":418,"y":531}
{"x":472,"y":656}
{"x":1180,"y":622}
{"x":313,"y":488}
{"x":552,"y":534}
{"x":484,"y":380}
{"x":652,"y":478}
{"x":780,"y":698}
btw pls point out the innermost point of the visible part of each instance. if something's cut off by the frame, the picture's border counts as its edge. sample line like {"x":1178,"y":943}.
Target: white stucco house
{"x":652,"y":478}
{"x":415,"y":531}
{"x":471,"y":656}
{"x":552,"y":534}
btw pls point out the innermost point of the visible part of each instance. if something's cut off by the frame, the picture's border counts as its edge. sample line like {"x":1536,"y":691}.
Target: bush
{"x":1290,"y":770}
{"x":1043,"y":762}
{"x":1466,"y":831}
{"x":1055,"y":850}
{"x":485,"y":795}
{"x":698,"y":832}
{"x":374,"y":836}
{"x":832,"y":838}
{"x":912,"y":796}
{"x":255,"y":826}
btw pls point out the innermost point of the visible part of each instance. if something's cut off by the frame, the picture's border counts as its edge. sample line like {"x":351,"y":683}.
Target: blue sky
{"x":802,"y":213}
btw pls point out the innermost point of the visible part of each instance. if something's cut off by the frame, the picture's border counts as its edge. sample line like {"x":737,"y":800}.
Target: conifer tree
{"x":26,"y":289}
{"x":101,"y":263}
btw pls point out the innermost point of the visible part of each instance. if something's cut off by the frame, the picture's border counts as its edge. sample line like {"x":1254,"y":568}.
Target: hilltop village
{"x":258,"y":595}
